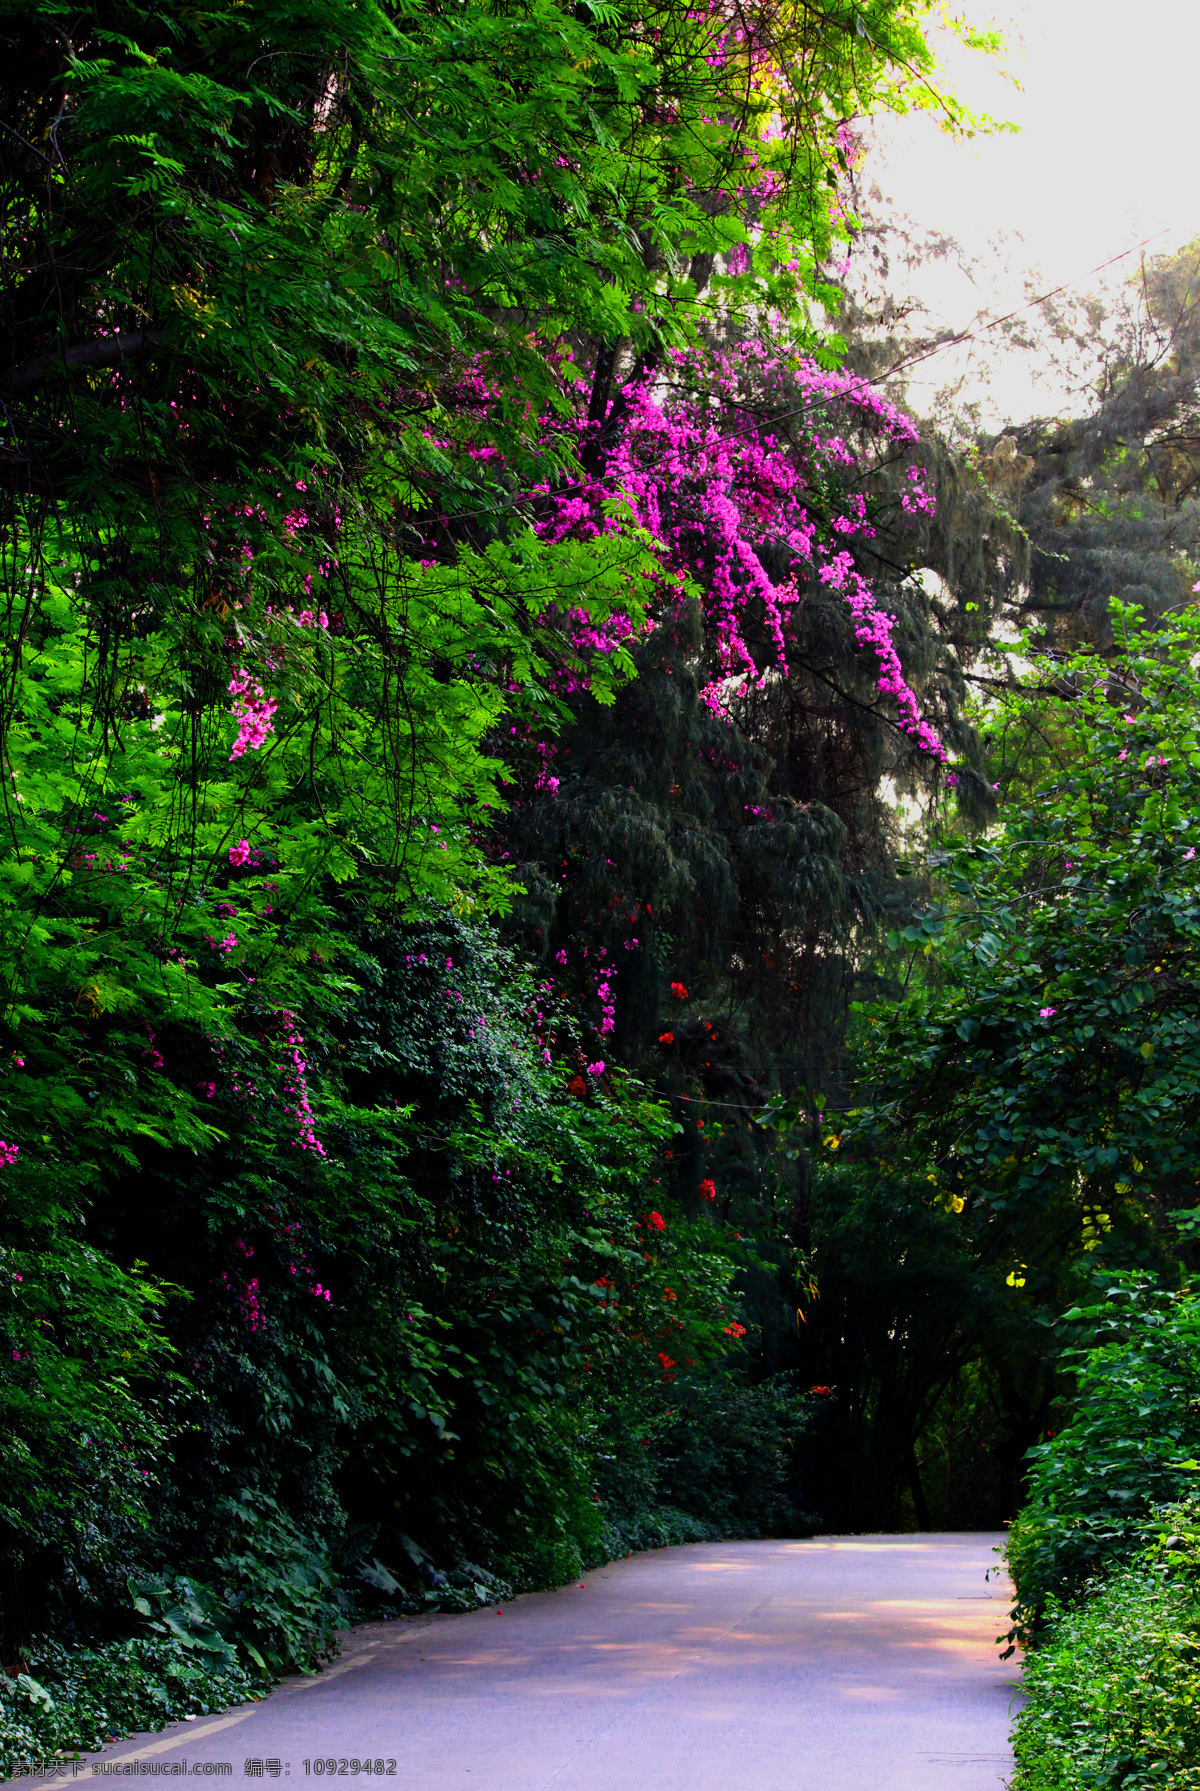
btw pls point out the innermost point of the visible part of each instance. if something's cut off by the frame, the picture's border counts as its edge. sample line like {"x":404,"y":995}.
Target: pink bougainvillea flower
{"x":701,"y":470}
{"x":252,"y":710}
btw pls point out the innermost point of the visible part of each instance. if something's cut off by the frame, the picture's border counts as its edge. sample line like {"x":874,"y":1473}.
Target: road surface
{"x":858,"y":1663}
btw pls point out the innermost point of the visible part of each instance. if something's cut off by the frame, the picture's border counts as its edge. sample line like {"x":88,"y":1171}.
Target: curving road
{"x":857,"y":1663}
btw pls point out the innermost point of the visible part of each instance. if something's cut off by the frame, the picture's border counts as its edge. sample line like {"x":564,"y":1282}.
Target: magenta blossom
{"x":705,"y":473}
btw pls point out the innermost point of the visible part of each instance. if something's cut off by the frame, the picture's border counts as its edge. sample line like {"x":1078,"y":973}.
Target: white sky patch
{"x":1105,"y":160}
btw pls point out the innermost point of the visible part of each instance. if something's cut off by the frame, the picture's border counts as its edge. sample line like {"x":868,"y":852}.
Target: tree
{"x":291,"y":301}
{"x":1108,"y":498}
{"x":1038,"y":1086}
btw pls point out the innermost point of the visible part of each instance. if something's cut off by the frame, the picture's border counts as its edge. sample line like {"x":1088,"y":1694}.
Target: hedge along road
{"x":856,"y":1663}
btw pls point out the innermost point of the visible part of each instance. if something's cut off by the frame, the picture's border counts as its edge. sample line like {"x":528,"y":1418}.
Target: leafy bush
{"x":727,"y":1456}
{"x":1114,"y":1690}
{"x":659,"y":1526}
{"x":76,"y":1699}
{"x":1130,"y":1444}
{"x":282,"y":1587}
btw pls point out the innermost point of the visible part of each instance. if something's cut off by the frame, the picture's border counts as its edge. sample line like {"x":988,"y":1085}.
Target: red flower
{"x":679,"y":992}
{"x":708,"y":1190}
{"x":820,"y":1390}
{"x":735,"y":1330}
{"x":666,"y":1038}
{"x":656,"y":1222}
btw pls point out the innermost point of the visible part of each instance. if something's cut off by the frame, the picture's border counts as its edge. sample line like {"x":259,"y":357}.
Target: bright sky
{"x":1107,"y":156}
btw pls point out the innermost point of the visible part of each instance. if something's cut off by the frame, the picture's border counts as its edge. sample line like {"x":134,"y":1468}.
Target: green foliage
{"x":435,"y":1323}
{"x":74,"y":1699}
{"x":1129,"y":1445}
{"x":332,"y":1269}
{"x":299,"y":331}
{"x":728,"y":1453}
{"x":1113,"y":1693}
{"x":1028,"y":1070}
{"x":280,"y":1587}
{"x":1050,"y":1073}
{"x":85,"y":1356}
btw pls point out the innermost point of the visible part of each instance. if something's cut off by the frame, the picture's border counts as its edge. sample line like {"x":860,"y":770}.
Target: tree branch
{"x":109,"y":351}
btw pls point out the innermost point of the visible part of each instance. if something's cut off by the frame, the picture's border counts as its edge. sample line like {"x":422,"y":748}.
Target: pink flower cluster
{"x":248,"y":1298}
{"x":252,"y":1306}
{"x":295,"y":1084}
{"x":705,"y":473}
{"x":8,"y":1153}
{"x":252,"y":710}
{"x":605,"y":996}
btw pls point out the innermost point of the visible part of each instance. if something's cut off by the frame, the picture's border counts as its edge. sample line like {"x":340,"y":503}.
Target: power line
{"x":972,"y":335}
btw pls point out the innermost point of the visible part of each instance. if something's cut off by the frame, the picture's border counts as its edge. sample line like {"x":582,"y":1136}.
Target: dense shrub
{"x":1130,"y":1443}
{"x":447,"y":1351}
{"x":1114,"y":1689}
{"x":728,"y":1456}
{"x":76,"y":1699}
{"x":1107,"y":1561}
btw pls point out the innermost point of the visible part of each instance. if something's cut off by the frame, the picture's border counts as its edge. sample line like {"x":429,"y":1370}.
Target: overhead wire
{"x":972,"y":335}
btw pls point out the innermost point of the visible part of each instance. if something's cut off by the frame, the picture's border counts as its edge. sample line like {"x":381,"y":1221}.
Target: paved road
{"x":864,"y":1663}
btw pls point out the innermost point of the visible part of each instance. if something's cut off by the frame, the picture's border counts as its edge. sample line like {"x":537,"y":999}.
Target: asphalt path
{"x":857,"y":1663}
